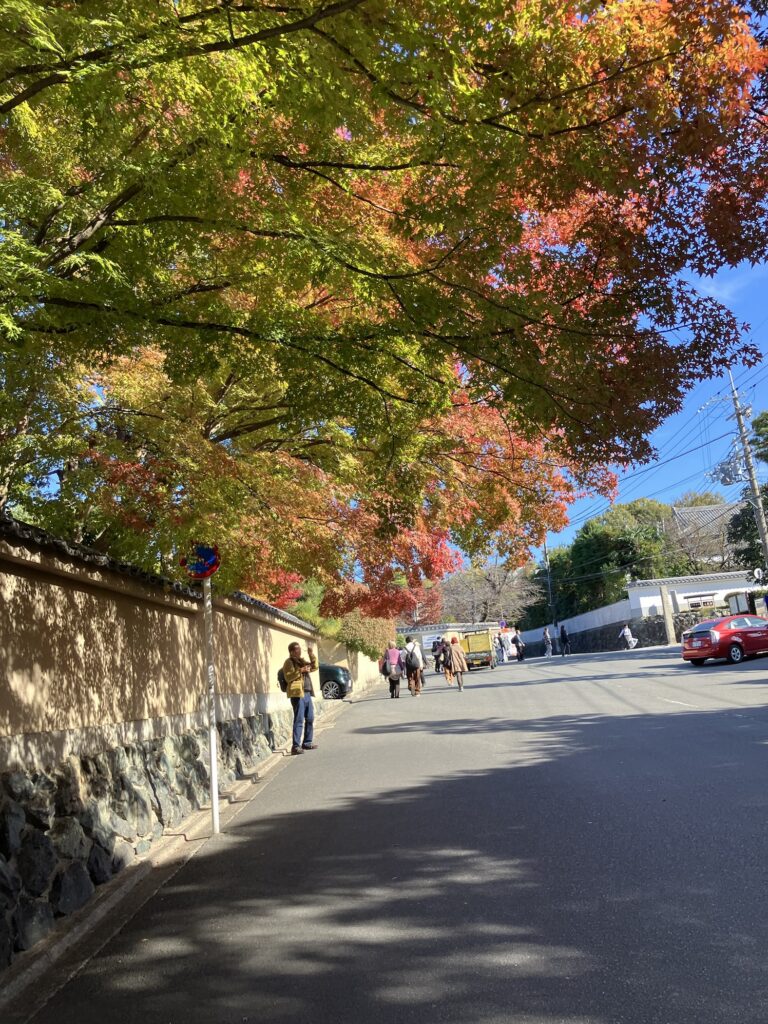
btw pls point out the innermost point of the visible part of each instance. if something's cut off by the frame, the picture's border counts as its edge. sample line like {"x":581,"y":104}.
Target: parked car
{"x":734,"y":637}
{"x":335,"y":681}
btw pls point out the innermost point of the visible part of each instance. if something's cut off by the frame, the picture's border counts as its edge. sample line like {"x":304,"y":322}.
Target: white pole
{"x":762,"y":526}
{"x":212,"y":733}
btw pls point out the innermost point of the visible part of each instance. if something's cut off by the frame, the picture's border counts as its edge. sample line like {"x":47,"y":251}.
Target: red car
{"x":734,"y":637}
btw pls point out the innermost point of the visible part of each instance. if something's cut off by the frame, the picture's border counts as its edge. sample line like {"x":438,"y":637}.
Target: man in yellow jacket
{"x":299,"y":688}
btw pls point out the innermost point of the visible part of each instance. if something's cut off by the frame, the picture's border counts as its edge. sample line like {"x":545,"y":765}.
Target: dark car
{"x":734,"y":637}
{"x":335,"y":681}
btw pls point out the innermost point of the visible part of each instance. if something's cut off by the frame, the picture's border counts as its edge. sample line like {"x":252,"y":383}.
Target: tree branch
{"x":108,"y":54}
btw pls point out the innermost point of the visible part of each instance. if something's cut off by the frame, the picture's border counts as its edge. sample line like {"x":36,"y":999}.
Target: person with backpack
{"x":444,"y":655}
{"x":414,"y":665}
{"x":299,"y":690}
{"x":393,"y":669}
{"x":437,"y":654}
{"x":519,"y":643}
{"x":500,"y":654}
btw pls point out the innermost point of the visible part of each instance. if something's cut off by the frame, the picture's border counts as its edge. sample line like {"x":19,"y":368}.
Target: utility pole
{"x":549,"y":585}
{"x":762,"y":527}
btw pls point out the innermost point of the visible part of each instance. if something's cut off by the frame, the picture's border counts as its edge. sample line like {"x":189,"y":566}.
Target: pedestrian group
{"x":409,"y":663}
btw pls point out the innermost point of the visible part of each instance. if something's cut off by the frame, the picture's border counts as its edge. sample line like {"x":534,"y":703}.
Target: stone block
{"x":166,"y":808}
{"x":97,"y":822}
{"x":71,"y":889}
{"x":36,"y":861}
{"x":118,"y":762}
{"x":71,"y":793}
{"x":123,"y":828}
{"x":122,"y":855}
{"x":41,"y":806}
{"x":41,"y":814}
{"x":10,"y":886}
{"x":70,"y":840}
{"x":188,"y":747}
{"x":6,"y":941}
{"x":97,"y":777}
{"x":140,"y":810}
{"x":19,"y":786}
{"x":99,"y":865}
{"x":33,"y":920}
{"x":12,"y":822}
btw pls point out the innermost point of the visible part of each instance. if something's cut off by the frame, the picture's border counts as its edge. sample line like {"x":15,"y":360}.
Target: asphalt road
{"x":579,"y":841}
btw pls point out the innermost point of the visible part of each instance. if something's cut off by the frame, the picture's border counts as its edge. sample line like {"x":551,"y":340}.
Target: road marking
{"x":681,"y":703}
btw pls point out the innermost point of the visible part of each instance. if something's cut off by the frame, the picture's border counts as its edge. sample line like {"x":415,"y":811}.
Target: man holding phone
{"x":299,"y":689}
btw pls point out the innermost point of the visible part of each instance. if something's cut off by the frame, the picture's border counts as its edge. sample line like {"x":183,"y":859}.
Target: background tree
{"x":634,"y":540}
{"x":697,"y":499}
{"x":742,"y":532}
{"x":700,"y":541}
{"x":760,"y":436}
{"x":358,"y":632}
{"x":489,"y":592}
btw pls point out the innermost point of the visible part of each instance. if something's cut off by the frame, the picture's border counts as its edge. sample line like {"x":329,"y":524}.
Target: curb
{"x":166,"y":858}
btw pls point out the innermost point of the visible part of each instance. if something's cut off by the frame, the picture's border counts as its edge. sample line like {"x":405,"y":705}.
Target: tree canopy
{"x":347,"y":285}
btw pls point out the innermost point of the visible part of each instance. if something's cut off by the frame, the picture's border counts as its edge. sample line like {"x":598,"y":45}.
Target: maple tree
{"x":353,"y":284}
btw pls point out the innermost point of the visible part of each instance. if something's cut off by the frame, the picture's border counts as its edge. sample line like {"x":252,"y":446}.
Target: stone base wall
{"x":68,"y":829}
{"x":650,"y":632}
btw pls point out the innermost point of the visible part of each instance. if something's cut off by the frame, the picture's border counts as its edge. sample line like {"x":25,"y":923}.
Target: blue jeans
{"x":303,"y":719}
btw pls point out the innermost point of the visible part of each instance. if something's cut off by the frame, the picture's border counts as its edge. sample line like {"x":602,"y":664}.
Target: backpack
{"x":412,"y":660}
{"x":394,"y":671}
{"x":282,"y":681}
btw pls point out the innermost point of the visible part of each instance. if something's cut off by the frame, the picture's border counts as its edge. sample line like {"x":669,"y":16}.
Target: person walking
{"x":299,"y":690}
{"x":626,"y":635}
{"x":508,"y":641}
{"x":446,"y":660}
{"x":414,"y":665}
{"x":547,"y":642}
{"x":458,"y":662}
{"x":565,"y":643}
{"x":517,"y":640}
{"x":498,"y":643}
{"x":437,"y":654}
{"x":394,"y":667}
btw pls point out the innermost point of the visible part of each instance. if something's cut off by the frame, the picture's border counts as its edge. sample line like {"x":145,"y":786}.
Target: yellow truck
{"x":479,"y":649}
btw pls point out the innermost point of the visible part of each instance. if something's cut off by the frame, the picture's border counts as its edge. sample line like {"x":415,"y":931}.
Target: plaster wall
{"x":91,"y":659}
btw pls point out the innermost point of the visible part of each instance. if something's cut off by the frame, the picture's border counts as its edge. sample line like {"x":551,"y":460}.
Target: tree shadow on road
{"x":596,"y":876}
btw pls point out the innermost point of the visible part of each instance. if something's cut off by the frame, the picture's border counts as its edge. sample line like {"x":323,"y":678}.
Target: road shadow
{"x":610,"y":870}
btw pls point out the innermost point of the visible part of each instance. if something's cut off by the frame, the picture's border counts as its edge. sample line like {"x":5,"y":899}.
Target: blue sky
{"x":697,"y":428}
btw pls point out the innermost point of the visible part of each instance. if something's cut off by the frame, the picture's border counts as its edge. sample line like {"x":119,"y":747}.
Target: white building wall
{"x":686,"y":593}
{"x":610,"y":613}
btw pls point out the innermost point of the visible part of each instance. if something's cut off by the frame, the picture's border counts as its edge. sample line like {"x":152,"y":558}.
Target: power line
{"x":651,"y":469}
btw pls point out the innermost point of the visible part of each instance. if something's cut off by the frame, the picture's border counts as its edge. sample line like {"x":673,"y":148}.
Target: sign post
{"x":201,"y":566}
